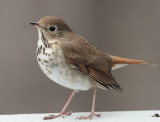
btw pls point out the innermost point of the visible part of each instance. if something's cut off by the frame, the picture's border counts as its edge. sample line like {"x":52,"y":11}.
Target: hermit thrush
{"x":71,"y":61}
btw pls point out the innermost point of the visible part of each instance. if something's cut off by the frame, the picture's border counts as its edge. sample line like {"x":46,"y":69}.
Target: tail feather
{"x":119,"y":60}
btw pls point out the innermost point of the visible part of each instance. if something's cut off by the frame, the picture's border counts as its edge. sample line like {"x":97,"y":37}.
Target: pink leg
{"x":93,"y":108}
{"x":63,"y":112}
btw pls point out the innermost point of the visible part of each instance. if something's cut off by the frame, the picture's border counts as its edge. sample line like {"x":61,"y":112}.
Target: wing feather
{"x":90,"y":61}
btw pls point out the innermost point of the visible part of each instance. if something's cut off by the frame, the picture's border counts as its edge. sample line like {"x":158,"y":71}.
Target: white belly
{"x":55,"y":67}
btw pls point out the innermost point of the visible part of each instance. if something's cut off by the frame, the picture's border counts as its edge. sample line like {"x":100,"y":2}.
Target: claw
{"x":88,"y":117}
{"x":62,"y":114}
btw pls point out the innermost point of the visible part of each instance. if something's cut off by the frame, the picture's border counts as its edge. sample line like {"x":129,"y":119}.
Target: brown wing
{"x":90,"y":61}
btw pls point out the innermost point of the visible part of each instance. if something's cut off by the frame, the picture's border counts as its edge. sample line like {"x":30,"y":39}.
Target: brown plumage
{"x":90,"y":61}
{"x":73,"y":62}
{"x":85,"y":57}
{"x":94,"y":63}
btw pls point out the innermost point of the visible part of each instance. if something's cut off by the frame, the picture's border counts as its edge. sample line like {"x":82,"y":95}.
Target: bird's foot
{"x":62,"y":114}
{"x":88,"y":117}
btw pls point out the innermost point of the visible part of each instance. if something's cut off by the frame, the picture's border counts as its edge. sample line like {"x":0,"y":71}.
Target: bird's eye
{"x":52,"y":28}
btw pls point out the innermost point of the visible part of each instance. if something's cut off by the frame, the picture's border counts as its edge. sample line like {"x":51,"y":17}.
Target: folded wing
{"x":91,"y":62}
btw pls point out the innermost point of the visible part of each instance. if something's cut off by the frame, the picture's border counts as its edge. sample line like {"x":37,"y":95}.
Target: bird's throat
{"x":43,"y":38}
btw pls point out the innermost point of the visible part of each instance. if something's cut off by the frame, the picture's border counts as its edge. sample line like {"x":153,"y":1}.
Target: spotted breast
{"x":51,"y":61}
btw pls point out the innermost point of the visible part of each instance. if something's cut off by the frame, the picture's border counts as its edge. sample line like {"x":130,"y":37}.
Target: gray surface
{"x":124,"y":28}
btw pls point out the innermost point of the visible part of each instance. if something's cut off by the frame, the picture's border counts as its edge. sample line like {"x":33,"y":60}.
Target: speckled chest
{"x":49,"y":57}
{"x":53,"y":64}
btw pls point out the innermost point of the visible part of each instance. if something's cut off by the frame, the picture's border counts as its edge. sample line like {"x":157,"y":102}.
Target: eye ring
{"x":52,"y":28}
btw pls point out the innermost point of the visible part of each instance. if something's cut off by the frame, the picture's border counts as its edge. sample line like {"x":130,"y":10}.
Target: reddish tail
{"x":119,"y":60}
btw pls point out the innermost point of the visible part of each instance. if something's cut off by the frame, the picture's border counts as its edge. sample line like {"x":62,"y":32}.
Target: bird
{"x":71,"y":61}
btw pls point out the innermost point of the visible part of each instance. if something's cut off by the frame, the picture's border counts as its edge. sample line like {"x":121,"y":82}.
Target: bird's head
{"x":50,"y":28}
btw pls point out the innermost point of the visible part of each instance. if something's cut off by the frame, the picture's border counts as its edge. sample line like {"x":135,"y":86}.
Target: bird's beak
{"x":35,"y":24}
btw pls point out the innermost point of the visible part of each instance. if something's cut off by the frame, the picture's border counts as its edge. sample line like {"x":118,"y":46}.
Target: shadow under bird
{"x":71,"y":61}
